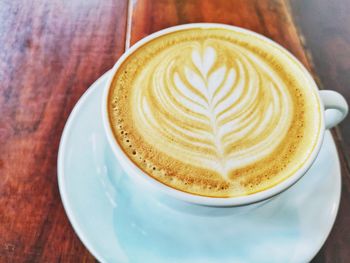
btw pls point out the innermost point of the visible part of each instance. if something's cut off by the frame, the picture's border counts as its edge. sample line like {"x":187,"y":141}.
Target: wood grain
{"x":270,"y":18}
{"x":325,"y":29}
{"x":50,"y":52}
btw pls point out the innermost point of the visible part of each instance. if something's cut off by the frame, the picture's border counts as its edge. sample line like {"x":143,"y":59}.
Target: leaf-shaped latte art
{"x":221,"y":115}
{"x":214,"y":112}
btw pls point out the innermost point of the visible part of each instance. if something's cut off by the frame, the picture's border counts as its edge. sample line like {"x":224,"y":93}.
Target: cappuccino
{"x":214,"y":112}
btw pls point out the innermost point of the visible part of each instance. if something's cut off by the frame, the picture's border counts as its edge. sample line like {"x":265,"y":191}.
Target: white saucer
{"x":118,"y":222}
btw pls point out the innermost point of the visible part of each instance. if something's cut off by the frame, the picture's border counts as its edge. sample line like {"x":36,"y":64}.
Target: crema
{"x":214,"y":112}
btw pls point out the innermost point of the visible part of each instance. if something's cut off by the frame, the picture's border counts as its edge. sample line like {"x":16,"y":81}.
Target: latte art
{"x":210,"y":113}
{"x":222,"y":115}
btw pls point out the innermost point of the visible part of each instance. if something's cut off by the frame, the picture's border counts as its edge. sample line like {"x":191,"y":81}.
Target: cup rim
{"x":135,"y":172}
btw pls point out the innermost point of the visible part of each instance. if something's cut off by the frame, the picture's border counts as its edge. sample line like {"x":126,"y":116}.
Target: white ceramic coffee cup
{"x":333,"y":106}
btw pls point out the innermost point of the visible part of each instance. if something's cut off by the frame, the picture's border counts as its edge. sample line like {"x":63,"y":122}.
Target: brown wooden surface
{"x":50,"y":51}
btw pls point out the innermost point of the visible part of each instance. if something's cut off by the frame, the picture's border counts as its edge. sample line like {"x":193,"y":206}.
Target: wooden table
{"x":51,"y":51}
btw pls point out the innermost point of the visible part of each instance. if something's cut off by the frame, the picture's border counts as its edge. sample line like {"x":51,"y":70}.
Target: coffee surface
{"x":214,"y":112}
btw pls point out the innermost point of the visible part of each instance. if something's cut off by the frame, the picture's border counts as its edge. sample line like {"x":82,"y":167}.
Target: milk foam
{"x":211,"y":115}
{"x":218,"y":115}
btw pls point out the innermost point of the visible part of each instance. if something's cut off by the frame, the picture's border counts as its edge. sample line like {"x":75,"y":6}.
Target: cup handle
{"x":336,"y":107}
